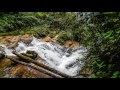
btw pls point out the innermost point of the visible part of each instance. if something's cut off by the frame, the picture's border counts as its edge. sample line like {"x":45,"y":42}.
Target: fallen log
{"x":28,"y":55}
{"x":36,"y":68}
{"x":28,"y":59}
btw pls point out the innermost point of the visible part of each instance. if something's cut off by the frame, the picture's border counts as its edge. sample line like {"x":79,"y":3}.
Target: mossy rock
{"x":31,"y":54}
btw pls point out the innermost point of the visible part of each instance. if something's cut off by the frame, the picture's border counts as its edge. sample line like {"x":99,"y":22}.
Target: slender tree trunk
{"x":41,"y":65}
{"x":36,"y":68}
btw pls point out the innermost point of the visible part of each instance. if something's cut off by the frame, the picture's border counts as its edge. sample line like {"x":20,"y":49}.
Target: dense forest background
{"x":98,"y":31}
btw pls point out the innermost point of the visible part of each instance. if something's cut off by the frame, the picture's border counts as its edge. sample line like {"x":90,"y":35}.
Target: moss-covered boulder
{"x":31,"y":54}
{"x":27,"y":39}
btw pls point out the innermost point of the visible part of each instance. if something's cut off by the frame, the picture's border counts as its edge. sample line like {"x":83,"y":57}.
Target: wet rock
{"x":55,"y":39}
{"x":34,"y":74}
{"x":14,"y":42}
{"x":71,"y":44}
{"x":19,"y":70}
{"x":10,"y":41}
{"x":68,"y":44}
{"x":5,"y":63}
{"x":46,"y":39}
{"x":31,"y":54}
{"x":28,"y":74}
{"x":75,"y":45}
{"x":5,"y":40}
{"x":26,"y":39}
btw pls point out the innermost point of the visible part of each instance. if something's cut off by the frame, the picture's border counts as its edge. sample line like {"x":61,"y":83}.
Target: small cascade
{"x":68,"y":61}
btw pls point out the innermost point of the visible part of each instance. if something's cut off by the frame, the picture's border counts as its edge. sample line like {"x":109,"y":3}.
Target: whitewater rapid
{"x":68,"y":61}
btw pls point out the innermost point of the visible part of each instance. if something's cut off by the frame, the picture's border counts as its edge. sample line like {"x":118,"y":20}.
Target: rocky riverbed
{"x":9,"y":69}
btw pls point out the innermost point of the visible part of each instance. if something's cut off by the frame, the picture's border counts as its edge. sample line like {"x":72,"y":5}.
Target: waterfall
{"x":85,"y":17}
{"x":68,"y":61}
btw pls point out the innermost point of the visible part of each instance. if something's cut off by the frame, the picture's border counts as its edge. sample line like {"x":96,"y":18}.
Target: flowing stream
{"x":68,"y":61}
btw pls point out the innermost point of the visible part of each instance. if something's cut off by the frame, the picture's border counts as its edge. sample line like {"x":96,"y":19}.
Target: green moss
{"x":92,"y":76}
{"x":52,"y":34}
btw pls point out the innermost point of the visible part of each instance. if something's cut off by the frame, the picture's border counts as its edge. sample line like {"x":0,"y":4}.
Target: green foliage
{"x":12,"y":21}
{"x":53,"y":33}
{"x":64,"y":36}
{"x":36,"y":30}
{"x":42,"y":33}
{"x":98,"y":64}
{"x":105,"y":37}
{"x":92,"y":76}
{"x":116,"y":74}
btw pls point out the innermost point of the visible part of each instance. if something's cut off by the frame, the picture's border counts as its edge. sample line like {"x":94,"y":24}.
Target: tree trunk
{"x":36,"y":68}
{"x":41,"y":65}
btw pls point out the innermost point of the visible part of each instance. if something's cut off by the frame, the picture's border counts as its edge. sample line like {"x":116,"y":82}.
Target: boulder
{"x":71,"y":44}
{"x":46,"y":39}
{"x":32,"y":53}
{"x":34,"y":74}
{"x":22,"y":71}
{"x":14,"y":42}
{"x":19,"y":70}
{"x":5,"y":63}
{"x":75,"y":45}
{"x":26,"y":39}
{"x":54,"y":39}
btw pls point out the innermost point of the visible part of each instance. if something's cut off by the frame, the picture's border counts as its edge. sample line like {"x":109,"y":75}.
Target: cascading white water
{"x":60,"y":58}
